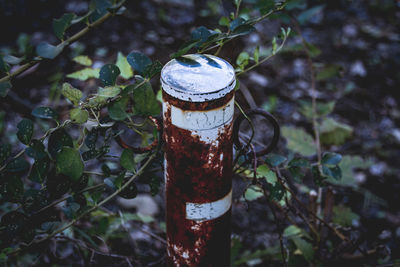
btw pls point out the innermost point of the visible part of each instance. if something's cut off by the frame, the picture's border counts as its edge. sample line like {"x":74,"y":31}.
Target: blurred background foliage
{"x":328,"y":195}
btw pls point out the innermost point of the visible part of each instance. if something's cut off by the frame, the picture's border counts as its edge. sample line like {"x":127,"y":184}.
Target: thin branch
{"x":264,"y":59}
{"x":333,"y":229}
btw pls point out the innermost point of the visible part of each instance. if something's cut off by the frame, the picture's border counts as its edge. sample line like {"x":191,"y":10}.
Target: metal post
{"x":198,"y":107}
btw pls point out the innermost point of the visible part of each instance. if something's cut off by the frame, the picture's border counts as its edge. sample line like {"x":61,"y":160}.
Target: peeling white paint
{"x":208,"y":211}
{"x":202,"y":120}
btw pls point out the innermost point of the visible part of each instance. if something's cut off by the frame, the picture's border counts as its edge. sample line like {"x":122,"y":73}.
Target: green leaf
{"x":224,"y":21}
{"x":152,"y":69}
{"x":69,"y":163}
{"x":109,"y":74}
{"x":4,"y":67}
{"x":322,"y":109}
{"x":13,"y":60}
{"x":39,"y":170}
{"x":73,"y":94}
{"x":299,"y":141}
{"x":328,"y":72}
{"x":12,"y":188}
{"x":46,"y":50}
{"x":91,"y":139}
{"x":242,"y":30}
{"x":334,"y":172}
{"x":306,"y":15}
{"x":330,"y":158}
{"x":305,"y":247}
{"x":296,"y":168}
{"x":292,"y":231}
{"x":5,"y":152}
{"x":318,"y":176}
{"x":109,"y":91}
{"x":267,"y":173}
{"x":313,"y":50}
{"x":277,"y":192}
{"x":84,"y":74}
{"x":36,"y":150}
{"x":57,"y":140}
{"x":256,"y":54}
{"x":344,"y":216}
{"x":253,"y":192}
{"x":129,"y":192}
{"x":299,"y":162}
{"x":4,"y":88}
{"x":99,"y":8}
{"x":202,"y":34}
{"x":45,"y":113}
{"x":333,"y":132}
{"x":116,"y":110}
{"x":17,"y":165}
{"x":138,"y":61}
{"x":79,"y":115}
{"x":265,"y":6}
{"x":126,"y":160}
{"x":274,"y":160}
{"x":61,"y":25}
{"x":185,"y":48}
{"x":274,"y":46}
{"x":347,"y":165}
{"x":23,"y":42}
{"x":25,"y":131}
{"x":243,"y":60}
{"x":145,"y":102}
{"x":90,"y":154}
{"x":2,"y":121}
{"x":124,"y":67}
{"x":81,"y":183}
{"x":236,"y":23}
{"x":83,"y":60}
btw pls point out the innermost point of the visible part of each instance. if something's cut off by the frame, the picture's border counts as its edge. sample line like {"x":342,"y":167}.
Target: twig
{"x":68,"y":196}
{"x":339,"y":234}
{"x":162,"y":240}
{"x":278,"y":227}
{"x":82,"y":244}
{"x":247,"y":95}
{"x":264,"y":59}
{"x":255,"y":21}
{"x":314,"y":109}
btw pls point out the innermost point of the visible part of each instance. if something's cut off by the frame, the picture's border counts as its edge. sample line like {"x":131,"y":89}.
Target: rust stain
{"x":199,"y":172}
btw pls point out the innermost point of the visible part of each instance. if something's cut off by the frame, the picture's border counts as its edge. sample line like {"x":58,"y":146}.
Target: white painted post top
{"x":198,"y":78}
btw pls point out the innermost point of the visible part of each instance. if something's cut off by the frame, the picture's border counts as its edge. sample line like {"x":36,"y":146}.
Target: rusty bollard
{"x":198,"y":107}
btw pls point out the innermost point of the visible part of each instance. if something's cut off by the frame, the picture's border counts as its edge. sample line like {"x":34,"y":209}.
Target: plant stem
{"x":264,"y":59}
{"x":314,"y":112}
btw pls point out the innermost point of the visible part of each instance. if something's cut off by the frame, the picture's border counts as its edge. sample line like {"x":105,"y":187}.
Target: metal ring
{"x":266,"y":115}
{"x":141,"y":150}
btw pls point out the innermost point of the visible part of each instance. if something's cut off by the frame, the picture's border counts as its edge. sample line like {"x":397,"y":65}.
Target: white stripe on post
{"x":208,"y":211}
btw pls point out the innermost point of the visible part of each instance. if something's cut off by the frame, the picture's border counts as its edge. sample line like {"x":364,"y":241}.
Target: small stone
{"x":358,"y":69}
{"x":378,"y":168}
{"x":386,"y":234}
{"x":350,"y":30}
{"x":143,"y":203}
{"x":259,"y":79}
{"x":360,"y":177}
{"x":396,"y":134}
